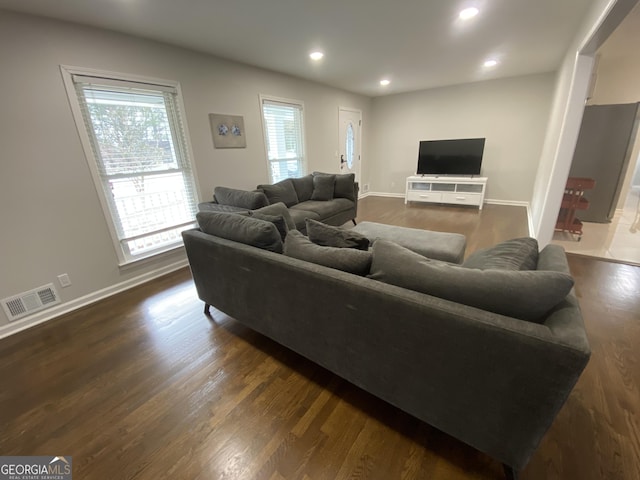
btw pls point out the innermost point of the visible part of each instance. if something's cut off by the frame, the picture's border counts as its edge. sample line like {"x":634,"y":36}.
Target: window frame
{"x":68,"y":72}
{"x":283,"y":101}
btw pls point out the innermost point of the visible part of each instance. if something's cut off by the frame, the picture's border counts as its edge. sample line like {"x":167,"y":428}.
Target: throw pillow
{"x":240,"y":198}
{"x":330,"y":236}
{"x":282,"y":191}
{"x":303,"y":187}
{"x":277,"y":220}
{"x":345,"y":186}
{"x":242,"y":229}
{"x":349,"y":260}
{"x":278,"y":209}
{"x":527,"y":295}
{"x":323,"y":186}
{"x":516,"y":254}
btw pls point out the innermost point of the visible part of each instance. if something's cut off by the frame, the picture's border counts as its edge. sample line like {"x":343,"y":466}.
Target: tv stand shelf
{"x":450,"y":190}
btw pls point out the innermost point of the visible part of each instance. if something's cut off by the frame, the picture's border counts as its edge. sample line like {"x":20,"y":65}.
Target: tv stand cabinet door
{"x":423,"y":196}
{"x":461,"y":198}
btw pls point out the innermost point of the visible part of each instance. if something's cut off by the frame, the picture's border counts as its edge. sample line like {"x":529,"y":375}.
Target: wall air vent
{"x":30,"y":302}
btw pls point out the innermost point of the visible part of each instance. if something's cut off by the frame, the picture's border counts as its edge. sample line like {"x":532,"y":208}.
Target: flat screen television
{"x":450,"y":157}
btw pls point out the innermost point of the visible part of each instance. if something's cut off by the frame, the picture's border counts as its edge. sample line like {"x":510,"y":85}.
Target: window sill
{"x":151,"y":257}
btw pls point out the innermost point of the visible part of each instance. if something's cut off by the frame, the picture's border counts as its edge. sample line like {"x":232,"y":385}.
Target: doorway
{"x":615,"y":81}
{"x":614,"y":233}
{"x":603,"y":152}
{"x":350,"y":124}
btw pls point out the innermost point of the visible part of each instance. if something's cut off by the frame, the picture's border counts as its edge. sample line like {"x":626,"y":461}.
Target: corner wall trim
{"x":385,"y":194}
{"x":50,"y":314}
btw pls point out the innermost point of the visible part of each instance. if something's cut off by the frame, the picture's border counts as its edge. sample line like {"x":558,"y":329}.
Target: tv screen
{"x":450,"y":157}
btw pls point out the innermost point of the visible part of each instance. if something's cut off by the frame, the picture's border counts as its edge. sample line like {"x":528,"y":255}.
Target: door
{"x":602,"y":153}
{"x":350,"y":122}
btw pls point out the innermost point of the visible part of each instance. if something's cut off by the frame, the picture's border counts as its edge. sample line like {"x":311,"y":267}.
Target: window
{"x":283,"y":138}
{"x":349,"y":146}
{"x":138,"y":156}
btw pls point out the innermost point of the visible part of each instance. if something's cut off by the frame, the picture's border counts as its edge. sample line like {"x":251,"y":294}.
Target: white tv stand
{"x":442,"y":189}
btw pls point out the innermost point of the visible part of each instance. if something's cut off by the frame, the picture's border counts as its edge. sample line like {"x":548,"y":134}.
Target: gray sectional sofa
{"x":329,"y":198}
{"x":471,"y":364}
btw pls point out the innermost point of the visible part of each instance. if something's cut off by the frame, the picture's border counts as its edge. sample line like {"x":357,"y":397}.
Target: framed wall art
{"x":227,"y":131}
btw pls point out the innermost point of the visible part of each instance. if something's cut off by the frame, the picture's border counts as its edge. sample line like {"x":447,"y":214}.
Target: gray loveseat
{"x":328,"y":198}
{"x":488,"y":379}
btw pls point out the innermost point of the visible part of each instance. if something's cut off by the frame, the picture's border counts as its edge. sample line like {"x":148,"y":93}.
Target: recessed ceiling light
{"x":316,"y":55}
{"x":490,"y":63}
{"x":468,"y":13}
{"x":385,"y":82}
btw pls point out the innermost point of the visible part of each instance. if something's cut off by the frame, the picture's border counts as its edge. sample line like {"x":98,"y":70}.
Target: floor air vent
{"x":30,"y":302}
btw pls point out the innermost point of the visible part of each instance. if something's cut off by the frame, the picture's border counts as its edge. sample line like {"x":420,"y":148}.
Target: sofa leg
{"x":354,"y":221}
{"x":509,"y":472}
{"x":206,"y":309}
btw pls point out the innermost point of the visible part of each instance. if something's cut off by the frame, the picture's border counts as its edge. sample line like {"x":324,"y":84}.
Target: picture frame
{"x":227,"y":130}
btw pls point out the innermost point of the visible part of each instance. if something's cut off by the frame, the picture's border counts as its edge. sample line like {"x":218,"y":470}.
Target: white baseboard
{"x":513,"y":203}
{"x":385,"y":194}
{"x":50,"y":314}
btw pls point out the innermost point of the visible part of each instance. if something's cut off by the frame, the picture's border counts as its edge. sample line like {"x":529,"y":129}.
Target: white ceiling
{"x":417,"y":44}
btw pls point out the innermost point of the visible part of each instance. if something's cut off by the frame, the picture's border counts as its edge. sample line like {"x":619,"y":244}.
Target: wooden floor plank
{"x":144,"y":386}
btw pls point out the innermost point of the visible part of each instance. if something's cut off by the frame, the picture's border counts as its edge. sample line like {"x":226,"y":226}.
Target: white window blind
{"x":283,"y":126}
{"x":139,"y":147}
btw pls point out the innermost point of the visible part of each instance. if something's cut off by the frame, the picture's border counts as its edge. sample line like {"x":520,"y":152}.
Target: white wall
{"x":510,"y":113}
{"x":51,"y":218}
{"x":617,"y":80}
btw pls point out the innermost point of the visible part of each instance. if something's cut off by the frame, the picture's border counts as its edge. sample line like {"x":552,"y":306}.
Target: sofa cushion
{"x":278,"y":209}
{"x":240,"y":198}
{"x":325,"y":209}
{"x":516,"y":254}
{"x":277,"y":220}
{"x":527,"y":295}
{"x":303,"y":187}
{"x":216,"y":207}
{"x":330,"y":236}
{"x":323,"y":187}
{"x":282,"y":191}
{"x":449,"y":247}
{"x":349,"y":260}
{"x":242,"y":229}
{"x":300,"y":216}
{"x":345,"y":186}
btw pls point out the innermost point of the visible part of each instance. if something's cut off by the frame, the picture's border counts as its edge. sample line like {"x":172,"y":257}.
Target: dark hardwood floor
{"x":144,"y":386}
{"x":483,"y":228}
